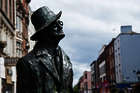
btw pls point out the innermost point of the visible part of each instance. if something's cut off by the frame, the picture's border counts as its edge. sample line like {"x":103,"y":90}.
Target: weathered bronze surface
{"x":47,"y":68}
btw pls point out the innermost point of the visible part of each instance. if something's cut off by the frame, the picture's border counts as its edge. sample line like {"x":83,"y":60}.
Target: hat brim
{"x":34,"y":37}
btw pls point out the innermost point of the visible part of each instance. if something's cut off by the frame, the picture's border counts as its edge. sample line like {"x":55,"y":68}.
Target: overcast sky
{"x":88,"y":24}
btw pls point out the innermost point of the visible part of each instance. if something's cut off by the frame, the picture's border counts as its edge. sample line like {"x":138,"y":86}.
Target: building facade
{"x":14,"y":21}
{"x":85,"y":82}
{"x":22,"y":23}
{"x":95,"y":80}
{"x":103,"y":81}
{"x":7,"y":34}
{"x":2,"y":72}
{"x":127,"y":57}
{"x":110,"y":61}
{"x":93,"y":75}
{"x":117,"y":67}
{"x":9,"y":84}
{"x":7,"y":25}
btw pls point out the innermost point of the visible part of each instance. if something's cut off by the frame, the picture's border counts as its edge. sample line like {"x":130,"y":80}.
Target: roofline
{"x":133,"y":33}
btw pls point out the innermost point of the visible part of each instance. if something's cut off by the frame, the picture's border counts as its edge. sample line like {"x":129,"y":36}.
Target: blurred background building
{"x":117,"y":67}
{"x":14,"y":24}
{"x":85,"y":82}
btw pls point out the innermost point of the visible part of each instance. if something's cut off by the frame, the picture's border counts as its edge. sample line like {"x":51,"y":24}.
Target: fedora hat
{"x":42,"y":18}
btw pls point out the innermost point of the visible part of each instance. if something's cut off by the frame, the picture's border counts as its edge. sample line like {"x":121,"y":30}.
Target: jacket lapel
{"x":46,"y":61}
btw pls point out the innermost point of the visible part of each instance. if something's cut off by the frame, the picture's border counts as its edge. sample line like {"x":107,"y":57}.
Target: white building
{"x":2,"y":72}
{"x":7,"y":34}
{"x":127,"y":55}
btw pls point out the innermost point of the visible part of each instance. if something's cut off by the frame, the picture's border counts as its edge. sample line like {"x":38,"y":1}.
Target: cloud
{"x":78,"y":69}
{"x":88,"y":24}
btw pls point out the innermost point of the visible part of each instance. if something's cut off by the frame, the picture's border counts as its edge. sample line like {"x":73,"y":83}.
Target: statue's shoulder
{"x":25,"y":59}
{"x":66,"y":59}
{"x":63,"y":52}
{"x":29,"y":56}
{"x":65,"y":56}
{"x":34,"y":55}
{"x":32,"y":59}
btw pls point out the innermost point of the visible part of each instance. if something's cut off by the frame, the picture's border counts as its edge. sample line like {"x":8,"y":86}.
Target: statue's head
{"x":47,"y":25}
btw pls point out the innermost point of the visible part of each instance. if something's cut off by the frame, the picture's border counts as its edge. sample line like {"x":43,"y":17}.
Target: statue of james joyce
{"x":47,"y":68}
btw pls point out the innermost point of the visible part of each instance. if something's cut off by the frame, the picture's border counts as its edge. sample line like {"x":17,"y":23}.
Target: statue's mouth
{"x":60,"y":34}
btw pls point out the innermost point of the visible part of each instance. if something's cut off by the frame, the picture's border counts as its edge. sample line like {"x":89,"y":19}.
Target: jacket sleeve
{"x":22,"y":77}
{"x":71,"y":80}
{"x":70,"y":74}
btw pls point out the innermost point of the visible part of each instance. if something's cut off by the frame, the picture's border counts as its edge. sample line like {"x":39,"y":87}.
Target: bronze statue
{"x":47,"y":68}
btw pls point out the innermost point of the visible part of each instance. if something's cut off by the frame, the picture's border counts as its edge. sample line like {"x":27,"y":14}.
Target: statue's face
{"x":56,"y":29}
{"x":53,"y":32}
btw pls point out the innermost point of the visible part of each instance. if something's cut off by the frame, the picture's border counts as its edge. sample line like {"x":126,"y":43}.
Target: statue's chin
{"x":61,"y":36}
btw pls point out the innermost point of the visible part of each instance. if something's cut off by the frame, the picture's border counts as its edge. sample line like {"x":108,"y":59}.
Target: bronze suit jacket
{"x":41,"y":72}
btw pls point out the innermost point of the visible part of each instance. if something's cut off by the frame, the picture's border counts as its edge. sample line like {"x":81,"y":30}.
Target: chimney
{"x":126,"y":29}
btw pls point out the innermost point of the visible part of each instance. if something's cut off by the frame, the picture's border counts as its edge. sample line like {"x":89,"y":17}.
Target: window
{"x":21,"y":1}
{"x":18,"y":49}
{"x":102,"y":70}
{"x":112,"y":49}
{"x":10,"y":9}
{"x":86,"y":85}
{"x":6,"y":7}
{"x":0,"y":4}
{"x":9,"y":72}
{"x":18,"y":24}
{"x":118,"y":48}
{"x":86,"y":76}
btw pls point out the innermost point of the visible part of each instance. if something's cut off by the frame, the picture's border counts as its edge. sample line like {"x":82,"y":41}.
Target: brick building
{"x":14,"y":31}
{"x":103,"y":83}
{"x":22,"y":22}
{"x":117,"y":67}
{"x":85,"y":82}
{"x":110,"y":61}
{"x":103,"y":70}
{"x":95,"y":80}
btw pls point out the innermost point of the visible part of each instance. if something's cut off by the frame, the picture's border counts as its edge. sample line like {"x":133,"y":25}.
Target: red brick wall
{"x":86,"y":79}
